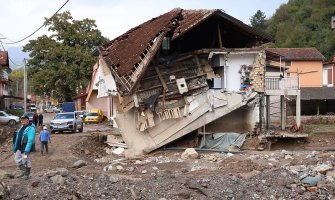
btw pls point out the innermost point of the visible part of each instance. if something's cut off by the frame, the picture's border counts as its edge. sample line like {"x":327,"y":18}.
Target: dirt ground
{"x":163,"y":174}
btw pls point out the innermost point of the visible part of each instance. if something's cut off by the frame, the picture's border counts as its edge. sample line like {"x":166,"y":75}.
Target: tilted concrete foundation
{"x":166,"y":131}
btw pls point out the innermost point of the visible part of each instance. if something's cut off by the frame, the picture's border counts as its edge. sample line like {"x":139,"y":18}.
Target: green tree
{"x":304,"y":23}
{"x":258,"y":20}
{"x":16,"y":76}
{"x":62,"y":63}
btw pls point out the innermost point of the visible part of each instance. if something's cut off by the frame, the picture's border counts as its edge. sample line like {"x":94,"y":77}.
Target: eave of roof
{"x":317,"y":93}
{"x":309,"y":54}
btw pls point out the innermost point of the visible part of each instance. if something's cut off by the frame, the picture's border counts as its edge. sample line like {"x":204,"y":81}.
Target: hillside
{"x":304,"y":23}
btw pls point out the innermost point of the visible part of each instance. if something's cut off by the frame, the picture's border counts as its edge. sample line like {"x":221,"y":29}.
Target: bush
{"x":15,"y":112}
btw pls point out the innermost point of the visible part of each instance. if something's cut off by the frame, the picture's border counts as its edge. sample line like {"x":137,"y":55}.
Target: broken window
{"x":166,"y":43}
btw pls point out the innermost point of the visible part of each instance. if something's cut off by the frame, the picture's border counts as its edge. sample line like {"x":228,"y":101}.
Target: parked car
{"x":51,"y":109}
{"x":67,"y":121}
{"x":94,"y":115}
{"x":30,"y":115}
{"x":17,"y":107}
{"x":32,"y":108}
{"x":8,"y":119}
{"x":81,"y":113}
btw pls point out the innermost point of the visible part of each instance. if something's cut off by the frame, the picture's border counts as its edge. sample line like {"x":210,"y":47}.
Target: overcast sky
{"x":20,"y":18}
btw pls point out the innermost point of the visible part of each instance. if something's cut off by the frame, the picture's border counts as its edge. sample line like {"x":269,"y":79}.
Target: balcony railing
{"x":277,"y":83}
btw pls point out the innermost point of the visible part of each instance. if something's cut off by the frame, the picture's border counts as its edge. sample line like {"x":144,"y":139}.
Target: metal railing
{"x":277,"y":83}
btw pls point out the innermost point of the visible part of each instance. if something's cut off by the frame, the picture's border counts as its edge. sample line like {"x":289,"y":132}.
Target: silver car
{"x":67,"y":121}
{"x":8,"y":119}
{"x":51,"y":109}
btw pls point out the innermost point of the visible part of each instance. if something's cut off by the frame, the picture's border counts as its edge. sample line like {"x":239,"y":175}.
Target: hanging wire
{"x":38,"y":28}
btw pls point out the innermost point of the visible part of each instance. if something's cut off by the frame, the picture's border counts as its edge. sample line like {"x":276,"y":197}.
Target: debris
{"x":118,"y":151}
{"x":190,"y":153}
{"x":79,"y":164}
{"x":310,"y":180}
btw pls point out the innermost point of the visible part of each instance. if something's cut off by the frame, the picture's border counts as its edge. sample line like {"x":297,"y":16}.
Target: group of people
{"x":38,"y":119}
{"x":23,"y":142}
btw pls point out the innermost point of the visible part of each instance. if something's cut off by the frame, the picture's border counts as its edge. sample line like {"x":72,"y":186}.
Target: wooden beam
{"x":219,"y":35}
{"x":161,"y":79}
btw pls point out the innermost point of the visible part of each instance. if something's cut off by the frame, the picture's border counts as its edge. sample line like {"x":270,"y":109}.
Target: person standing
{"x":40,"y":120}
{"x":35,"y":118}
{"x":23,"y":142}
{"x":44,"y":139}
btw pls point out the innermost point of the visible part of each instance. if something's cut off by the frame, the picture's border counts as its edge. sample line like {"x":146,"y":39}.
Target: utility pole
{"x":25,"y":86}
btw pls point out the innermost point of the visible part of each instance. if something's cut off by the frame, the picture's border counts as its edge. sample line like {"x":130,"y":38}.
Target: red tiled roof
{"x":4,"y":58}
{"x":297,"y":53}
{"x":124,"y":52}
{"x":191,"y":18}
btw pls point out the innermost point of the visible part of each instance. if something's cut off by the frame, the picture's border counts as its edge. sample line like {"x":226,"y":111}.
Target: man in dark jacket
{"x":40,"y":120}
{"x":35,"y":118}
{"x":23,"y":142}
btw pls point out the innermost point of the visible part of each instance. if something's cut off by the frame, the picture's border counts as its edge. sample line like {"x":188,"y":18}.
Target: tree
{"x":304,"y":23}
{"x":258,"y":20}
{"x":62,"y":63}
{"x":17,"y":77}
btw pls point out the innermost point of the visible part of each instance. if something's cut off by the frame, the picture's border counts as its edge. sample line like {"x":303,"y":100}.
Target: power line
{"x":39,"y":27}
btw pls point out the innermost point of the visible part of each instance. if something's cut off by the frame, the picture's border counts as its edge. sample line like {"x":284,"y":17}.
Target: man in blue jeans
{"x":44,"y":139}
{"x":22,"y":146}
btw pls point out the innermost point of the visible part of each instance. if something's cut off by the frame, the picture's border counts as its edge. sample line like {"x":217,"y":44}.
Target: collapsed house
{"x":186,"y":71}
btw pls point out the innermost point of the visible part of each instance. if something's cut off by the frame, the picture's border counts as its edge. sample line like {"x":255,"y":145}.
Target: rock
{"x":79,"y":164}
{"x":288,"y":157}
{"x":190,"y":153}
{"x":312,"y":189}
{"x":62,"y":171}
{"x":35,"y":183}
{"x":139,"y":162}
{"x":58,"y":179}
{"x":230,"y":154}
{"x":183,"y":194}
{"x":118,"y":151}
{"x":297,"y":168}
{"x":113,"y":179}
{"x":331,"y":174}
{"x":51,"y":173}
{"x":212,"y":158}
{"x":323,"y":168}
{"x":109,"y":168}
{"x":284,"y":152}
{"x":119,"y":167}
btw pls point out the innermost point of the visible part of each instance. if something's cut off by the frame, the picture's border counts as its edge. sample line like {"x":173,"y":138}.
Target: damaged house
{"x":186,"y":71}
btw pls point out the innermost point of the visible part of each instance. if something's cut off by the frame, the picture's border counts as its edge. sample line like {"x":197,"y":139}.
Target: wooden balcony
{"x":282,"y":86}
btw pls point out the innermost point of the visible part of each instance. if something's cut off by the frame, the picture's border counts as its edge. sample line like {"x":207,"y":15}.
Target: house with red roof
{"x":184,"y":72}
{"x":313,"y":75}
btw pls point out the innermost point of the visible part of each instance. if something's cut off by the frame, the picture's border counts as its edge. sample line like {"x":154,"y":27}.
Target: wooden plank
{"x":161,"y":79}
{"x":219,"y":35}
{"x":201,"y":116}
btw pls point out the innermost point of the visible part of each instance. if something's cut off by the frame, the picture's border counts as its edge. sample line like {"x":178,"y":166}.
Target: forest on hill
{"x":301,"y":23}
